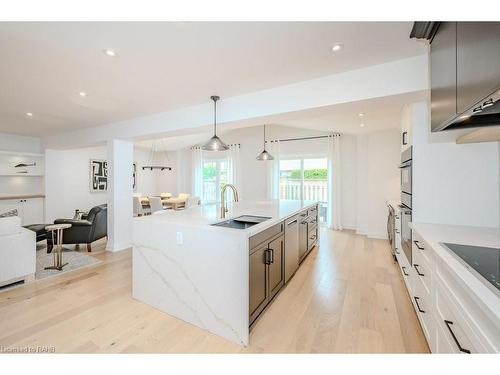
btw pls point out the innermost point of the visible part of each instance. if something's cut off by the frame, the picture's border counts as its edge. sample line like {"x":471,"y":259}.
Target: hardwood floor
{"x":347,"y":297}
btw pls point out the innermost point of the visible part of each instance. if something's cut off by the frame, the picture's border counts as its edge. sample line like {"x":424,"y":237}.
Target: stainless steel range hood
{"x":486,"y":113}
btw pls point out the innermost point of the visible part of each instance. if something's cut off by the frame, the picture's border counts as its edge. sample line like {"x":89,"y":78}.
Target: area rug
{"x":74,"y":259}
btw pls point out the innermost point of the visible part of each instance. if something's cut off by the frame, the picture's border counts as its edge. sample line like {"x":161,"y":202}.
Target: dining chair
{"x":138,"y":209}
{"x":165,"y":195}
{"x":192,"y":201}
{"x":155,"y":204}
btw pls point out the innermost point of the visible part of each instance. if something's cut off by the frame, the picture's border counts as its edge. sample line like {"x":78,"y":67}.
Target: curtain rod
{"x":232,"y":144}
{"x":303,"y":138}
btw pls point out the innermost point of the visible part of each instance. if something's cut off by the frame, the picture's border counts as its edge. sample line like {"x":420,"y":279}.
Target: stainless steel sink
{"x":242,"y":222}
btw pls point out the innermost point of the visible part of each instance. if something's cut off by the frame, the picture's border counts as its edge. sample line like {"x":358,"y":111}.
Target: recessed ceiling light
{"x":361,"y":114}
{"x":362,"y":125}
{"x":110,"y":52}
{"x":337,"y":47}
{"x":29,"y":114}
{"x":83,"y":94}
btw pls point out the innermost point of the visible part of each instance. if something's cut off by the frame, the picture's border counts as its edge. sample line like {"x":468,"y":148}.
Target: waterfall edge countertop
{"x":187,"y":268}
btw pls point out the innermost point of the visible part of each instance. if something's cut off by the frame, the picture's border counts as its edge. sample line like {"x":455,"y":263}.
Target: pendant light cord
{"x":264,"y":137}
{"x":215,"y":116}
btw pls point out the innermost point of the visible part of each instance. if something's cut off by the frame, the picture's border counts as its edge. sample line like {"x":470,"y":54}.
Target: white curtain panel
{"x":334,"y":183}
{"x":234,"y":166}
{"x":197,"y":178}
{"x":273,"y":168}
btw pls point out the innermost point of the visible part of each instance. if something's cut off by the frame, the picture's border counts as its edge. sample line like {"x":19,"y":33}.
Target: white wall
{"x":453,"y":184}
{"x":378,"y":156}
{"x":13,"y":142}
{"x":67,"y":180}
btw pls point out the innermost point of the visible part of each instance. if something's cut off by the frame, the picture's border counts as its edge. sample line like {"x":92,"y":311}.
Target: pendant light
{"x":264,"y":155}
{"x":157,"y":163}
{"x":215,"y":143}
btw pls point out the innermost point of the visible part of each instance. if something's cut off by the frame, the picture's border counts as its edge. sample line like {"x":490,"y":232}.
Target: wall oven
{"x":406,"y":202}
{"x":406,"y":177}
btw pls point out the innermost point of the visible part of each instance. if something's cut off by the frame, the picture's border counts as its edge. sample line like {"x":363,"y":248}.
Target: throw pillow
{"x":9,"y":213}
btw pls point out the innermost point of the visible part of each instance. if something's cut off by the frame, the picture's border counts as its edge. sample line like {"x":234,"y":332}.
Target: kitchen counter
{"x":435,"y":234}
{"x":204,"y":215}
{"x":197,"y":272}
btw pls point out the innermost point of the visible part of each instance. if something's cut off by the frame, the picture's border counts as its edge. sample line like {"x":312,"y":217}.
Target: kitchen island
{"x":217,"y":277}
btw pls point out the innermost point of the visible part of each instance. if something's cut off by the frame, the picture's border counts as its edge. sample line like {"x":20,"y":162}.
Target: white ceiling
{"x":379,"y":114}
{"x":162,"y":66}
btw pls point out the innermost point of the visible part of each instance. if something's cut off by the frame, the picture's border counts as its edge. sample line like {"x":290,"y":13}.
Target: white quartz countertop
{"x":207,"y":214}
{"x":435,"y":234}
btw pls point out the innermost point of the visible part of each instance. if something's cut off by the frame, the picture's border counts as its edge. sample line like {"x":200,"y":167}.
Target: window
{"x":305,"y":179}
{"x":214,"y":177}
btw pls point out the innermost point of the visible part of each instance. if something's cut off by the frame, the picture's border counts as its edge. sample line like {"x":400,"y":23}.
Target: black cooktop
{"x":484,"y":260}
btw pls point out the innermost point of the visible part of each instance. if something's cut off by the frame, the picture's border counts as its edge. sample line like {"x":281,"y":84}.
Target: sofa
{"x":86,"y":230}
{"x":17,"y":252}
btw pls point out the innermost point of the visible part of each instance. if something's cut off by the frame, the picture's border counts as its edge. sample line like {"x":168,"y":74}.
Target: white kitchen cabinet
{"x":449,"y":312}
{"x":30,"y":210}
{"x":406,"y":127}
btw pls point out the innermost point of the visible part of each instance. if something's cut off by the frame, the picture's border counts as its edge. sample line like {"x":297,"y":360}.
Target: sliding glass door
{"x":305,"y":179}
{"x":214,"y":177}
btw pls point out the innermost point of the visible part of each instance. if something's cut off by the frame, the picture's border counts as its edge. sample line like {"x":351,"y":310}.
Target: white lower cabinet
{"x":450,"y":318}
{"x":30,"y":210}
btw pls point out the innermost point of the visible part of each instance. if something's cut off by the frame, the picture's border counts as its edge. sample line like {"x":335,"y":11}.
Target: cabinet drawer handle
{"x":312,"y":237}
{"x":417,"y":245}
{"x":396,"y":251}
{"x":448,"y":325}
{"x":418,"y":272}
{"x":292,"y":222}
{"x":404,"y":268}
{"x":303,"y":222}
{"x":418,"y":306}
{"x":303,"y":215}
{"x":397,"y":231}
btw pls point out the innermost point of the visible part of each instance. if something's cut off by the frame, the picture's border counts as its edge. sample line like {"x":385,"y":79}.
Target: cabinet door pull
{"x":418,"y":246}
{"x":396,"y":251}
{"x":418,"y":272}
{"x":418,"y":306}
{"x":271,"y":258}
{"x":267,"y":256}
{"x":404,"y":268}
{"x":292,"y":222}
{"x":404,"y":138}
{"x":448,"y":325}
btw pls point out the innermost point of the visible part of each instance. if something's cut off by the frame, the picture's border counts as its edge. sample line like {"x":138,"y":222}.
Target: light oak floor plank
{"x":347,"y":297}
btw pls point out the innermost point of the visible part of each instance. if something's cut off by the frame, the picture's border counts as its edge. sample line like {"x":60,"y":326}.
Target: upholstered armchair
{"x":86,"y":230}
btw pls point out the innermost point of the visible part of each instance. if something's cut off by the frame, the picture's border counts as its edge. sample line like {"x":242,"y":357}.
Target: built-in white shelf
{"x":22,"y":153}
{"x":8,"y":159}
{"x":20,"y":175}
